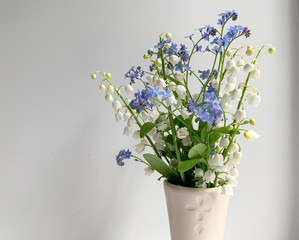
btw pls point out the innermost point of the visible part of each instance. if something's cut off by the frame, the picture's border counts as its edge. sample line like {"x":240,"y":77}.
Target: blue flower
{"x":186,"y":67}
{"x":134,"y":74}
{"x":233,"y":31}
{"x":226,"y":16}
{"x":190,"y":36}
{"x":192,"y":106}
{"x":198,"y":48}
{"x":165,"y":93}
{"x":183,"y":53}
{"x":123,"y":154}
{"x":153,"y":91}
{"x":216,"y":111}
{"x":206,"y":117}
{"x":205,"y":74}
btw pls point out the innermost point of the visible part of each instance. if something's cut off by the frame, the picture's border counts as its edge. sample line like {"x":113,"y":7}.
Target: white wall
{"x":58,"y":137}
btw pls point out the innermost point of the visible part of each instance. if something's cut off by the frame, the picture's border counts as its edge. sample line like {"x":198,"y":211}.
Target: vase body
{"x":195,"y":213}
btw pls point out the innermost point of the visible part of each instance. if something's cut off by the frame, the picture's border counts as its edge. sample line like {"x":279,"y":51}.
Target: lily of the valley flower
{"x":253,"y":99}
{"x":148,"y":171}
{"x":255,"y":74}
{"x":209,"y":176}
{"x":198,"y":172}
{"x":187,"y":141}
{"x":116,"y":105}
{"x":173,"y":59}
{"x":251,"y":135}
{"x":182,"y":133}
{"x":140,"y":147}
{"x":239,"y":115}
{"x":236,"y":94}
{"x":129,"y":89}
{"x":109,"y":98}
{"x":248,"y":67}
{"x":119,"y":116}
{"x":127,"y":131}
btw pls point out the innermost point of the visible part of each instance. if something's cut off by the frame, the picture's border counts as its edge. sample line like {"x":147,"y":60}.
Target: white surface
{"x":58,"y":137}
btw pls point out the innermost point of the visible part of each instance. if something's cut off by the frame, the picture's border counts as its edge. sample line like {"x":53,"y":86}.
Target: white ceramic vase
{"x":195,"y":213}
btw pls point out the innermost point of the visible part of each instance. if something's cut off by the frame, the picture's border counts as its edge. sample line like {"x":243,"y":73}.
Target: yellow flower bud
{"x":230,"y":127}
{"x":146,"y":56}
{"x":271,"y":50}
{"x":102,"y":87}
{"x":108,"y":75}
{"x":249,"y":52}
{"x":159,"y":61}
{"x":252,"y":122}
{"x":168,"y":35}
{"x":247,"y":134}
{"x":93,"y":76}
{"x":229,"y":53}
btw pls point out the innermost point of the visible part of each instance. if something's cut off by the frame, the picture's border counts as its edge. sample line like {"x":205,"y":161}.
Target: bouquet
{"x":190,"y":134}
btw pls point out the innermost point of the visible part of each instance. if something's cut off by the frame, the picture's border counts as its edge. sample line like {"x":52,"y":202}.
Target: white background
{"x":58,"y":136}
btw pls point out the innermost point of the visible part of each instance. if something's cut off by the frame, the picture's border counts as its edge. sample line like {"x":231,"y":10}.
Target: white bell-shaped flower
{"x":234,"y":71}
{"x":239,"y":115}
{"x":162,"y":126}
{"x":216,"y":161}
{"x":127,"y":131}
{"x":229,"y":87}
{"x":140,"y":147}
{"x":248,"y":67}
{"x":224,"y":142}
{"x":116,"y":105}
{"x":151,"y":80}
{"x":237,"y":156}
{"x":148,"y":171}
{"x":145,"y":116}
{"x":170,"y":101}
{"x":232,"y":79}
{"x":187,"y":141}
{"x":171,"y":86}
{"x":111,"y":89}
{"x":209,"y":176}
{"x":109,"y":98}
{"x":181,"y":91}
{"x":241,"y":63}
{"x":236,"y":94}
{"x":215,"y":83}
{"x":127,"y":115}
{"x":131,"y":122}
{"x":174,"y":59}
{"x":227,"y":190}
{"x":185,"y":113}
{"x":119,"y":116}
{"x":226,"y":102}
{"x":253,"y":99}
{"x":129,"y":89}
{"x":232,"y":181}
{"x":179,"y":77}
{"x":152,"y":132}
{"x":234,"y":172}
{"x":161,"y":83}
{"x":230,"y":64}
{"x":154,"y":115}
{"x":136,"y":134}
{"x":198,"y":172}
{"x":251,"y":135}
{"x":233,"y":147}
{"x":255,"y":74}
{"x":182,"y":133}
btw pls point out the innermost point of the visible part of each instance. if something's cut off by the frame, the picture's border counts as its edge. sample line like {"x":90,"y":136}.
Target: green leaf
{"x":160,"y":166}
{"x":145,"y":128}
{"x":199,"y":150}
{"x":161,"y":118}
{"x":222,"y":130}
{"x":195,"y":139}
{"x":214,"y":136}
{"x":188,"y":164}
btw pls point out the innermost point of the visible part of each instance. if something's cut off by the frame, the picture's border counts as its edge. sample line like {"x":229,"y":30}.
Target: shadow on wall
{"x":294,"y":231}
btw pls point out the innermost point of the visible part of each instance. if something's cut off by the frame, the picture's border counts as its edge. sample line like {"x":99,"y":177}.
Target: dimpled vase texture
{"x":195,"y":213}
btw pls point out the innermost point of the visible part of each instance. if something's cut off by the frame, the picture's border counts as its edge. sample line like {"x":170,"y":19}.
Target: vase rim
{"x":166,"y":182}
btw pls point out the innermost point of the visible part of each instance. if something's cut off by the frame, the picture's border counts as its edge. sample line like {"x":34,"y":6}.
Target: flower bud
{"x":168,"y":35}
{"x":111,"y":89}
{"x":108,"y":75}
{"x":249,"y":52}
{"x":102,"y":87}
{"x":146,"y":56}
{"x":240,"y":63}
{"x":159,"y":61}
{"x":229,"y":53}
{"x":108,"y":98}
{"x":230,"y":127}
{"x":93,"y":76}
{"x":167,"y":45}
{"x":255,"y":74}
{"x":252,"y":122}
{"x":247,"y":134}
{"x":271,"y":50}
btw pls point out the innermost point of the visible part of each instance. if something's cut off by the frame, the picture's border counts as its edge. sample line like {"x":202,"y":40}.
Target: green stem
{"x":178,"y":154}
